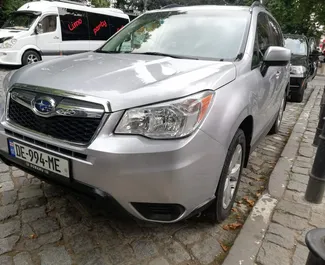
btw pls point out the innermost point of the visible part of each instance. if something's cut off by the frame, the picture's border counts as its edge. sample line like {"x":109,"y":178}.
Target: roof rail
{"x":72,"y":2}
{"x":171,"y":6}
{"x":256,"y":3}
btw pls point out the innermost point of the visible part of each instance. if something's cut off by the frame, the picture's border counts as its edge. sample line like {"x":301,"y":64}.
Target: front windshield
{"x":216,"y":34}
{"x":297,"y":46}
{"x":19,"y":21}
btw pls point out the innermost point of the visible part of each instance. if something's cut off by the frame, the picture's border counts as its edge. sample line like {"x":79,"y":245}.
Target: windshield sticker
{"x":75,"y":24}
{"x":101,"y":24}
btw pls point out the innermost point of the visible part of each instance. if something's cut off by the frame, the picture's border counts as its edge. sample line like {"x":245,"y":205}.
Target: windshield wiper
{"x":168,"y":55}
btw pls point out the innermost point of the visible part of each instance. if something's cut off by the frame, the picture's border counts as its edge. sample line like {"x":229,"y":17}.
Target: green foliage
{"x":100,"y":3}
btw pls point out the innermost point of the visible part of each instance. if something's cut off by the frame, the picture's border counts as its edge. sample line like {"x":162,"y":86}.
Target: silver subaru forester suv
{"x":162,"y":118}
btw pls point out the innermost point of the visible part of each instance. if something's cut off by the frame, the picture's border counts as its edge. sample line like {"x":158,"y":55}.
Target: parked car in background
{"x":299,"y":70}
{"x":46,"y":29}
{"x":313,"y":58}
{"x":162,"y":117}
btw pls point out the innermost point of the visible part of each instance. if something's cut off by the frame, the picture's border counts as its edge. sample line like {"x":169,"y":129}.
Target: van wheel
{"x":30,"y":57}
{"x":229,"y":179}
{"x":276,"y":126}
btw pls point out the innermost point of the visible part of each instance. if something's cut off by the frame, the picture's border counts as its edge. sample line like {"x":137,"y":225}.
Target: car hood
{"x":127,"y":80}
{"x":4,"y":33}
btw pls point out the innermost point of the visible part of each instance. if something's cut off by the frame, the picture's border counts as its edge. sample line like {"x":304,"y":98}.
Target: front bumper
{"x":10,"y":57}
{"x":180,"y":175}
{"x":297,"y":82}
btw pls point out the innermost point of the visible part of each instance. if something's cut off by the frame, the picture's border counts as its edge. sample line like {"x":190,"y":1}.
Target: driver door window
{"x":49,"y":24}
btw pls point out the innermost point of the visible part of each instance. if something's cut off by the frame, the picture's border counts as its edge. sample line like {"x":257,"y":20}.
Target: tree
{"x":100,"y":3}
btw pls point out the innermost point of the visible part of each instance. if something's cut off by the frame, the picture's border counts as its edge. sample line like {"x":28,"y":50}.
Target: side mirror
{"x":39,"y":28}
{"x":277,"y":56}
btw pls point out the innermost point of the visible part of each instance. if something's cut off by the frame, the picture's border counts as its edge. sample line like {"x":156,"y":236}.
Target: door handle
{"x":56,"y":37}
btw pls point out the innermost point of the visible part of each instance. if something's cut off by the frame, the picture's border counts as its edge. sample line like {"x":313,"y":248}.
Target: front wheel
{"x":229,"y":179}
{"x":30,"y":57}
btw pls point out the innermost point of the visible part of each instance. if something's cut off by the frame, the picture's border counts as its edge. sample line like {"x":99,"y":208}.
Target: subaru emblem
{"x":44,"y":105}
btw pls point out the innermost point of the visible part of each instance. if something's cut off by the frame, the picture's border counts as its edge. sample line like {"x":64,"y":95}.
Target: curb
{"x":248,"y":242}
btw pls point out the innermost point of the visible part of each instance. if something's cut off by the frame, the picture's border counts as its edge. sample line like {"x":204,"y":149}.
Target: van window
{"x":20,"y":21}
{"x":49,"y":24}
{"x":99,"y":26}
{"x":277,"y":38}
{"x":117,"y":23}
{"x":263,"y":32}
{"x":74,"y":24}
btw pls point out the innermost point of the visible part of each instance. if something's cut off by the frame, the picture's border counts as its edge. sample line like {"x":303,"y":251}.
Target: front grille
{"x":47,"y":146}
{"x":72,"y":129}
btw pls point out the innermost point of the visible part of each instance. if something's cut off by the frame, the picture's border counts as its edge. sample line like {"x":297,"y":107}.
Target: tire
{"x":297,"y":97}
{"x":220,"y":209}
{"x":276,"y":126}
{"x":30,"y":57}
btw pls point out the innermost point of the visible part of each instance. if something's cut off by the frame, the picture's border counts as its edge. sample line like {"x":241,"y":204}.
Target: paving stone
{"x":317,"y":219}
{"x":26,"y":231}
{"x":188,"y":235}
{"x":302,"y":235}
{"x":289,"y":221}
{"x":306,"y":151}
{"x":302,"y":164}
{"x":300,"y":178}
{"x":304,"y":159}
{"x":159,"y":261}
{"x":4,"y":177}
{"x":256,"y":161}
{"x":18,"y":173}
{"x":6,"y":186}
{"x":281,"y":236}
{"x":81,"y":243}
{"x":9,"y":228}
{"x":6,"y":260}
{"x":144,"y":249}
{"x":52,"y":191}
{"x":57,"y":203}
{"x":30,"y":192}
{"x":75,"y":229}
{"x":300,"y":170}
{"x":294,"y":209}
{"x":175,"y":252}
{"x":7,"y":244}
{"x":207,"y":250}
{"x":33,"y":214}
{"x":8,"y":211}
{"x":272,"y":254}
{"x":119,"y":254}
{"x":46,"y":225}
{"x":32,"y":202}
{"x":55,"y":256}
{"x":69,"y":217}
{"x":300,"y":256}
{"x":3,"y":168}
{"x":297,"y":197}
{"x":296,"y":186}
{"x":9,"y":197}
{"x":36,"y":243}
{"x":23,"y":258}
{"x":92,"y":258}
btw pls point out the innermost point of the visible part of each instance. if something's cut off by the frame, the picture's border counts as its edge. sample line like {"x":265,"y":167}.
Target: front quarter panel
{"x":232,"y":104}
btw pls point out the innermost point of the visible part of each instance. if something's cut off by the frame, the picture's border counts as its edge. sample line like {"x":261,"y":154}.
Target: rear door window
{"x":74,"y":24}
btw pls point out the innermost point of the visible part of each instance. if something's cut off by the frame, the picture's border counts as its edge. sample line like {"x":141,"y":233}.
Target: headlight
{"x":8,"y":43}
{"x":297,"y":70}
{"x":169,"y":120}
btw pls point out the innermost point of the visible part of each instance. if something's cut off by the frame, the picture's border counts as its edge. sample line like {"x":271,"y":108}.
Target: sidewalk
{"x":274,"y":233}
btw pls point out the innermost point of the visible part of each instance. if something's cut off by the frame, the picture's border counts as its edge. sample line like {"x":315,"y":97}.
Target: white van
{"x":46,"y":29}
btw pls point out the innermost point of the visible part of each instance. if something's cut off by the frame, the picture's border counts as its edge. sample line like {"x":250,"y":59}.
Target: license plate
{"x":39,"y":160}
